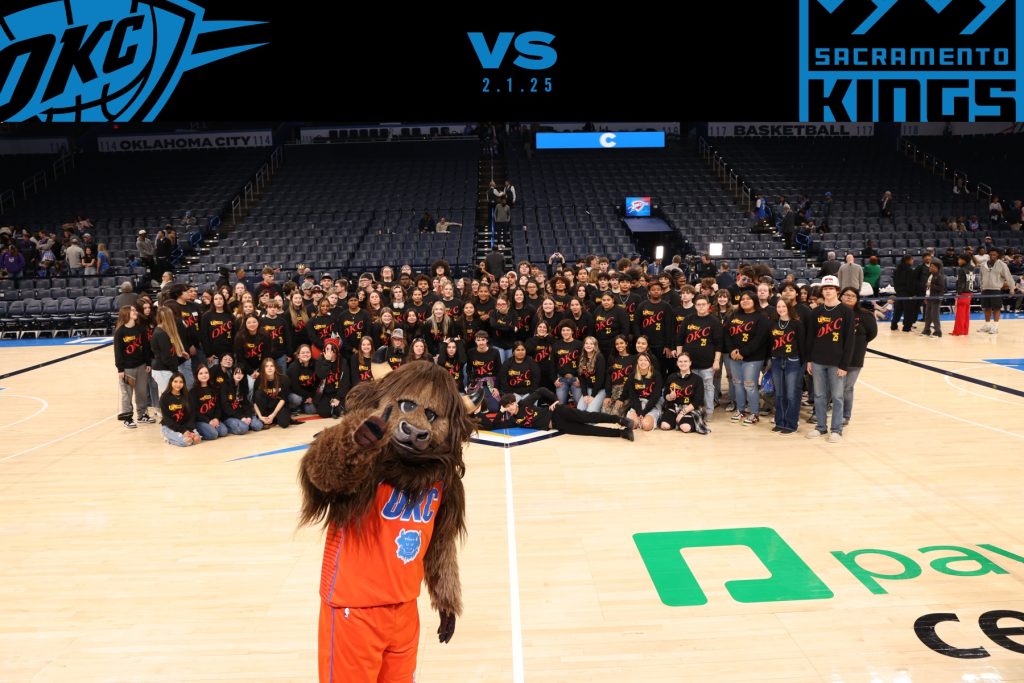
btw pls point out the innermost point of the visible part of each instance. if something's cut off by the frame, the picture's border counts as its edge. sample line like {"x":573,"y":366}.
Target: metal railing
{"x":254,"y":187}
{"x":940,"y":168}
{"x":38,"y":181}
{"x":726,"y":174}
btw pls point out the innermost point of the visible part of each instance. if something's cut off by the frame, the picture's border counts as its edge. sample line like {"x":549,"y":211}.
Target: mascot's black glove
{"x":372,"y":430}
{"x":447,"y":627}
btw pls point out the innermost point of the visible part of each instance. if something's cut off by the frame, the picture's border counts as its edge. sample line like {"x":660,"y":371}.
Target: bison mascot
{"x":386,"y":481}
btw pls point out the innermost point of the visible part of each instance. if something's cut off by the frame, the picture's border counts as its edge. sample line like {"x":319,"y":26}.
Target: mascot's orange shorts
{"x":372,"y":644}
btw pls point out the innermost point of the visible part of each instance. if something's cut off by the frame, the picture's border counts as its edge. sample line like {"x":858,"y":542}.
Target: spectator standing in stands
{"x":850,"y":274}
{"x":725,"y":279}
{"x":788,"y":225}
{"x":831,"y":266}
{"x":162,"y":252}
{"x":510,"y":195}
{"x":873,"y":273}
{"x":502,"y":216}
{"x":74,"y":255}
{"x":995,"y":281}
{"x":826,"y":211}
{"x":147,"y":254}
{"x":868,"y":251}
{"x":885,"y":206}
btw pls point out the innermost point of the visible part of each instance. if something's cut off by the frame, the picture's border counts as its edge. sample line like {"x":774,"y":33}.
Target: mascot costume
{"x":386,"y":482}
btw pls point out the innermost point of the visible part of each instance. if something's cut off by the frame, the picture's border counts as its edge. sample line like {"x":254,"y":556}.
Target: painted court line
{"x":939,"y":412}
{"x":513,"y":575}
{"x":53,"y":441}
{"x":25,"y":419}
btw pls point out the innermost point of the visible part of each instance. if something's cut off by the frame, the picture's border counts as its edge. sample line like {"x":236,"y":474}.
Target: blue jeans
{"x":595,"y":403}
{"x":788,"y":376}
{"x":209,"y":432}
{"x":236,"y":426}
{"x":295,"y":402}
{"x":743,"y":374}
{"x":185,"y":368}
{"x":161,"y":378}
{"x":828,"y":384}
{"x":173,"y":437}
{"x":708,"y":375}
{"x":565,"y":385}
{"x":851,"y":378}
{"x":503,"y":354}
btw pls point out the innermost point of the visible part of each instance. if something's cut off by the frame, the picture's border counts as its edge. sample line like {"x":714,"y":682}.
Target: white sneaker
{"x":835,"y":437}
{"x":987,"y":327}
{"x":994,"y":329}
{"x":813,"y":434}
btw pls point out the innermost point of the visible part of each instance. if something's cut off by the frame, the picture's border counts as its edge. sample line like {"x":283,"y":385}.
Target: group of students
{"x":605,"y":343}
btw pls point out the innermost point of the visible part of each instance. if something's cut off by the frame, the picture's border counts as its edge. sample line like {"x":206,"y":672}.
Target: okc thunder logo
{"x":408,"y":543}
{"x":115,"y":60}
{"x":637,"y":206}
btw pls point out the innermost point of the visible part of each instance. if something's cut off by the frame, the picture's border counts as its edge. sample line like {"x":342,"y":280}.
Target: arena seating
{"x":857,"y":171}
{"x":353,"y":207}
{"x":991,"y":159}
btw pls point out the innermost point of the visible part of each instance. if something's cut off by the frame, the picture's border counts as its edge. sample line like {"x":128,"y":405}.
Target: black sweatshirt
{"x":455,"y":366}
{"x":484,"y":364}
{"x":608,"y":324}
{"x":524,"y":321}
{"x":831,"y":339}
{"x":267,"y":399}
{"x":352,"y":327}
{"x":584,"y":325}
{"x":592,"y":381}
{"x":503,"y":329}
{"x":279,"y":331}
{"x":866,"y":330}
{"x":302,"y":379}
{"x":620,"y":368}
{"x":566,"y":357}
{"x":205,"y":402}
{"x":130,"y":347}
{"x":334,"y":377}
{"x":320,"y":329}
{"x":748,"y":334}
{"x":689,"y":391}
{"x":519,"y":377}
{"x":788,"y":340}
{"x":234,"y":399}
{"x":361,"y":369}
{"x":250,"y":351}
{"x":176,"y":412}
{"x":656,"y":322}
{"x":644,"y":388}
{"x":217,"y":333}
{"x":163,"y":353}
{"x":701,"y":337}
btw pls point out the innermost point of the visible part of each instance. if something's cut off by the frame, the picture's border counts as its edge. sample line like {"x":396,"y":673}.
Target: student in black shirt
{"x":323,"y":326}
{"x":302,"y":380}
{"x":269,"y":397}
{"x":592,"y":374}
{"x":643,"y":394}
{"x":277,"y":329}
{"x":865,"y":330}
{"x":788,"y":350}
{"x":362,"y":362}
{"x":524,"y":314}
{"x":620,"y":367}
{"x":206,"y":407}
{"x":238,"y":411}
{"x":656,"y":321}
{"x":539,"y":348}
{"x":565,"y":353}
{"x":701,"y":338}
{"x":352,"y":324}
{"x":583,"y":320}
{"x":332,"y":374}
{"x":453,"y":360}
{"x":216,"y":330}
{"x":519,"y":374}
{"x":746,"y":341}
{"x":178,"y":423}
{"x":439,"y":327}
{"x":610,"y":321}
{"x":131,"y":357}
{"x":503,"y":328}
{"x":251,"y":346}
{"x":683,"y":404}
{"x":482,"y":365}
{"x":829,"y":354}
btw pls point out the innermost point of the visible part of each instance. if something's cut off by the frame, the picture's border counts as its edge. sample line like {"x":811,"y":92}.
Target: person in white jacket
{"x":995,"y":281}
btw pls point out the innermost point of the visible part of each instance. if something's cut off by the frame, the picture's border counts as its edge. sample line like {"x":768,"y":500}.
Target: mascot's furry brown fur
{"x":394,"y":460}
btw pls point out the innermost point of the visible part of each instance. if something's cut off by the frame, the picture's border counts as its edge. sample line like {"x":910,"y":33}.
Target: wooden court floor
{"x":123,"y":559}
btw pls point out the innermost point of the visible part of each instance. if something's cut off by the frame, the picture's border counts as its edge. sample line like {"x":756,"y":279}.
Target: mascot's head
{"x":426,"y":418}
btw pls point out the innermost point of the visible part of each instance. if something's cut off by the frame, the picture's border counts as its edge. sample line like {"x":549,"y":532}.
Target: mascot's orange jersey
{"x":384,"y":564}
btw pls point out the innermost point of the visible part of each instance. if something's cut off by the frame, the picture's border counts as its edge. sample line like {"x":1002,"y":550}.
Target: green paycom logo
{"x":792,"y":578}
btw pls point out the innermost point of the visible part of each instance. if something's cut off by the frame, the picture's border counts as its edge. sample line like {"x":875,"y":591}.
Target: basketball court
{"x":125,"y":559}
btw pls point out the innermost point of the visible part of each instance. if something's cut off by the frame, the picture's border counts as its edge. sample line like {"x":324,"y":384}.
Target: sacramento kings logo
{"x":99,"y":60}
